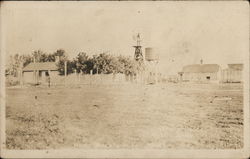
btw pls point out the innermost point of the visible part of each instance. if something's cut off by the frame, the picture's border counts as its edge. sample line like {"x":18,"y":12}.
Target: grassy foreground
{"x":125,"y":116}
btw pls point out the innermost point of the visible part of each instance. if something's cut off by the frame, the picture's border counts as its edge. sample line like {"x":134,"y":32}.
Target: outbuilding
{"x":40,"y":72}
{"x":201,"y":73}
{"x":233,"y":74}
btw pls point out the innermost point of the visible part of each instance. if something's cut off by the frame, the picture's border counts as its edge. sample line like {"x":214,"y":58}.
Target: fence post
{"x":91,"y":76}
{"x":76,"y":80}
{"x":65,"y":71}
{"x":79,"y":76}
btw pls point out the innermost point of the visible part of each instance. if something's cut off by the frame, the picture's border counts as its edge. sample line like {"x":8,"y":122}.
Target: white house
{"x":201,"y":73}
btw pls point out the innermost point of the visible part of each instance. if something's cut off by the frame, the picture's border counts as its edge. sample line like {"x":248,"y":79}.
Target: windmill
{"x":138,"y":52}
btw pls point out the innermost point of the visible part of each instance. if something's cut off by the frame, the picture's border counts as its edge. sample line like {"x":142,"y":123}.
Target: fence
{"x":88,"y":79}
{"x":78,"y":79}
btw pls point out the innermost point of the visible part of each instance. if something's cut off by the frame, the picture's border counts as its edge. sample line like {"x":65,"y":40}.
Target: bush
{"x":11,"y":81}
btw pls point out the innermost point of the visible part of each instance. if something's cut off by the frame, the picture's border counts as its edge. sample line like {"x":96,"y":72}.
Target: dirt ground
{"x":203,"y":116}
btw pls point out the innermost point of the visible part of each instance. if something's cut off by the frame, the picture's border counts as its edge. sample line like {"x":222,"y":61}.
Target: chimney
{"x":57,"y":59}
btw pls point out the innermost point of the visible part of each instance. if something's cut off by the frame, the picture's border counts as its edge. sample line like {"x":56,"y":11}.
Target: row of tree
{"x":101,"y":63}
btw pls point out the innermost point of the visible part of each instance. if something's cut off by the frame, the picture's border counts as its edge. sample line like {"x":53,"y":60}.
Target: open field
{"x":125,"y":116}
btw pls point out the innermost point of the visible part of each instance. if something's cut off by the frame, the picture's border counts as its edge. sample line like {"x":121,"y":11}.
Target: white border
{"x":123,"y":153}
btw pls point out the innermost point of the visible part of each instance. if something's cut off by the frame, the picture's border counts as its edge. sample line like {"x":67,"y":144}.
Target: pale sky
{"x":184,"y":32}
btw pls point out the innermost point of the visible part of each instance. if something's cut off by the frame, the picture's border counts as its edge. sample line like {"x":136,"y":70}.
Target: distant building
{"x":201,"y":73}
{"x":39,"y":72}
{"x":233,"y":74}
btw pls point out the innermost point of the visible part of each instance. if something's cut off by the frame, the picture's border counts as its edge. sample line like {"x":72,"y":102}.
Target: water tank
{"x":151,"y":54}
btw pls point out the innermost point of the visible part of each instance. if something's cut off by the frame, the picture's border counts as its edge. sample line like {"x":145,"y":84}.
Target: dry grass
{"x":126,"y":116}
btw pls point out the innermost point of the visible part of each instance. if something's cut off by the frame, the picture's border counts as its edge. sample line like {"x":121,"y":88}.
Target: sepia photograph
{"x":125,"y":79}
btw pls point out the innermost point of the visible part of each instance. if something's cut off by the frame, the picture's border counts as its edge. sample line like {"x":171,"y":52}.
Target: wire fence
{"x":82,"y":79}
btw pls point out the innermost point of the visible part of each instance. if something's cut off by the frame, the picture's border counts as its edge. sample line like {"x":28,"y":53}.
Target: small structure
{"x":233,"y":74}
{"x":151,"y":54}
{"x":200,"y":73}
{"x":151,"y":63}
{"x":138,"y":52}
{"x":39,"y":72}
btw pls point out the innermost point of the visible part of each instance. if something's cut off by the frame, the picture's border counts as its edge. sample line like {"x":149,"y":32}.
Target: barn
{"x":233,"y":74}
{"x":39,"y":72}
{"x":201,"y":73}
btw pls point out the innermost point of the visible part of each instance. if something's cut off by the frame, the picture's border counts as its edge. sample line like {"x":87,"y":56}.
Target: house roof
{"x":235,"y":66}
{"x":201,"y":68}
{"x":41,"y":66}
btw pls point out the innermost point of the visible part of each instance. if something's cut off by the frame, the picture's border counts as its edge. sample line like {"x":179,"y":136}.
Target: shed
{"x":233,"y":74}
{"x":39,"y":72}
{"x":200,"y":72}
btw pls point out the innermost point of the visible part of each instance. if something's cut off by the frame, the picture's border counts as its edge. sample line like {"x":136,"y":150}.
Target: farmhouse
{"x":39,"y":72}
{"x":200,"y":72}
{"x":233,"y":74}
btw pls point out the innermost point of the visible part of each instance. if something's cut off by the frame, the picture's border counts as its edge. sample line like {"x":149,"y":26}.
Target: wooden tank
{"x":151,"y":54}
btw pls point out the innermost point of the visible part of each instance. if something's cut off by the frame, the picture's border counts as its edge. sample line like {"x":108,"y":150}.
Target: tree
{"x":106,"y":63}
{"x":60,"y":53}
{"x":17,"y":62}
{"x":129,"y":65}
{"x":102,"y":63}
{"x":71,"y":65}
{"x":27,"y":59}
{"x":62,"y":60}
{"x":40,"y":56}
{"x":37,"y":54}
{"x":95,"y":64}
{"x":47,"y":58}
{"x":83,"y":63}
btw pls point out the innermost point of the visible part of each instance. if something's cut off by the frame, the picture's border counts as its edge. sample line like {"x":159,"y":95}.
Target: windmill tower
{"x":138,"y":52}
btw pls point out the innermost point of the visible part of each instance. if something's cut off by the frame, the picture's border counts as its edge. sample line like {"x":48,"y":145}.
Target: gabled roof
{"x":201,"y":68}
{"x":236,"y":66}
{"x":41,"y":66}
